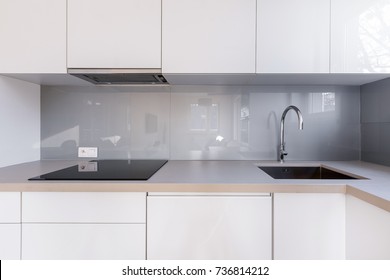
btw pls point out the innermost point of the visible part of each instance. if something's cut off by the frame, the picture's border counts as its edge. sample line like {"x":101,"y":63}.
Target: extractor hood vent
{"x":120,"y":76}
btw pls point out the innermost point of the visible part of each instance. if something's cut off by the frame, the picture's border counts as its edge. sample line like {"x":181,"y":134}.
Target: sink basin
{"x":305,"y":172}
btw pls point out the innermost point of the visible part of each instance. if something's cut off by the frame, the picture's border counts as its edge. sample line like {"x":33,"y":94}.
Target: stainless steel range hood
{"x":120,"y":76}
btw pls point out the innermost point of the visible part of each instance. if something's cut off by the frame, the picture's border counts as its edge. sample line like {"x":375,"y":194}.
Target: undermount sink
{"x":305,"y":172}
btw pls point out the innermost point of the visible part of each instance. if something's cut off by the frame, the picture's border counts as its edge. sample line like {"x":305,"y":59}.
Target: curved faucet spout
{"x":282,"y":151}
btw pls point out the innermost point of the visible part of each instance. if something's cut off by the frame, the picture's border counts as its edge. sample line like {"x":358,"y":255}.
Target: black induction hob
{"x":106,"y":170}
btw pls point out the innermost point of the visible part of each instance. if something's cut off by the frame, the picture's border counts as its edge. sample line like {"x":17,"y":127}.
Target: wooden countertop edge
{"x":169,"y":187}
{"x":369,"y":198}
{"x":195,"y":187}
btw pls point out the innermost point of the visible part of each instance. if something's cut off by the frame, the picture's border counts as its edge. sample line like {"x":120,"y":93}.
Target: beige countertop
{"x":212,"y":176}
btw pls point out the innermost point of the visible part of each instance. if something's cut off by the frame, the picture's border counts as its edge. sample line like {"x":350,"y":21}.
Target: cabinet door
{"x":9,"y":241}
{"x":33,"y":36}
{"x":360,"y":38}
{"x":367,"y":231}
{"x":197,"y":227}
{"x":83,"y":241}
{"x":293,"y":36}
{"x":208,"y":36}
{"x":114,"y":33}
{"x":309,"y":226}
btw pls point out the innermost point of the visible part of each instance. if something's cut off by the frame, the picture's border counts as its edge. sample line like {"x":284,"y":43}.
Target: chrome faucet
{"x":282,"y":151}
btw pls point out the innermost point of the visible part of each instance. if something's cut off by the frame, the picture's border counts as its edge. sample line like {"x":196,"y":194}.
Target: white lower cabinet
{"x":209,"y":227}
{"x":83,"y":241}
{"x":114,"y":33}
{"x":10,"y":207}
{"x":9,"y":241}
{"x":85,"y":225}
{"x":10,"y":225}
{"x":367,"y":230}
{"x":114,"y":225}
{"x":309,"y":226}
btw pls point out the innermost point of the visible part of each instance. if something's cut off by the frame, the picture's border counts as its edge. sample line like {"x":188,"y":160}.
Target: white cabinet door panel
{"x":87,"y":207}
{"x":209,"y":228}
{"x":114,"y":33}
{"x":9,"y":241}
{"x":309,"y":226}
{"x":360,"y":40}
{"x":293,"y":36}
{"x":83,"y":241}
{"x":33,"y":36}
{"x":9,"y":207}
{"x":367,"y":231}
{"x":208,"y":36}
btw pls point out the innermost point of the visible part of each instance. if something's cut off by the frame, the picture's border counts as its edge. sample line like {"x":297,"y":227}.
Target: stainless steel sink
{"x":306,"y":172}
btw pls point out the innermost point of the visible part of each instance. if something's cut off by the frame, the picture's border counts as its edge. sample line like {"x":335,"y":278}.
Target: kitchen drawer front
{"x":10,"y":241}
{"x":9,"y":207}
{"x":84,"y":207}
{"x":83,"y":242}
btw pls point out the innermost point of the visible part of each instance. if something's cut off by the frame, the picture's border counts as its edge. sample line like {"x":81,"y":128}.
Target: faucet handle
{"x":282,"y":153}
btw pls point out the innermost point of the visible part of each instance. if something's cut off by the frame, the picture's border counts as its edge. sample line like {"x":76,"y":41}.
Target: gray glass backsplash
{"x":200,"y":122}
{"x":375,"y":99}
{"x":120,"y":121}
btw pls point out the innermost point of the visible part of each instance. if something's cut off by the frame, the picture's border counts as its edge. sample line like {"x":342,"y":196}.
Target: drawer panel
{"x":83,"y":242}
{"x":84,"y":207}
{"x":10,"y":241}
{"x":9,"y":207}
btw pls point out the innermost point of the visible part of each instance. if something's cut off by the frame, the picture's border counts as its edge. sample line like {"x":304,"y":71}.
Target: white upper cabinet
{"x":33,"y":36}
{"x":360,"y":40}
{"x":208,"y":36}
{"x":114,"y":33}
{"x":293,"y":36}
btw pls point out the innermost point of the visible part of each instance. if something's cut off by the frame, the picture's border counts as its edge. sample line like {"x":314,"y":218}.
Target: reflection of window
{"x":244,"y":136}
{"x":374,"y":24}
{"x":328,"y":101}
{"x":204,"y":117}
{"x":322,"y":102}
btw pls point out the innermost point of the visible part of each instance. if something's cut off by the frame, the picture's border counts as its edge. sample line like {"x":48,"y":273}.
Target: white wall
{"x":19,"y":121}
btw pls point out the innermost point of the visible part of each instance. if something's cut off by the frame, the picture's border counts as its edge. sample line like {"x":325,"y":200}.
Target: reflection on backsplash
{"x":121,"y":122}
{"x":322,"y":102}
{"x":204,"y":122}
{"x":200,"y":122}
